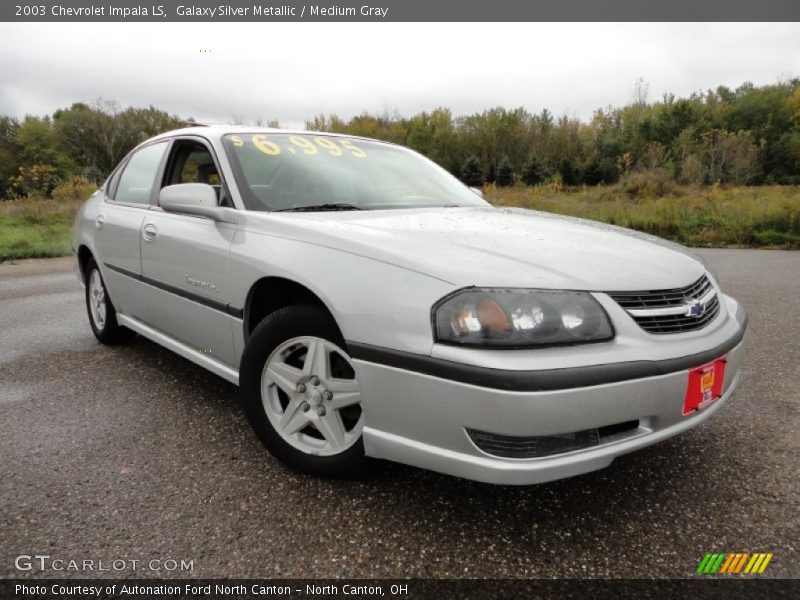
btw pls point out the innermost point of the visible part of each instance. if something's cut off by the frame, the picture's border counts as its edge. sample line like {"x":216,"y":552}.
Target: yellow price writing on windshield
{"x":267,"y":147}
{"x":329,"y":146}
{"x":357,"y":152}
{"x":308,"y":146}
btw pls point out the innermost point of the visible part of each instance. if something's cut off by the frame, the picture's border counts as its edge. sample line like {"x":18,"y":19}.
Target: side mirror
{"x":477,"y":191}
{"x":197,"y":199}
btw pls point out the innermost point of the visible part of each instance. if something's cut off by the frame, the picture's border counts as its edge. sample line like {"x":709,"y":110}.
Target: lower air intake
{"x":509,"y":446}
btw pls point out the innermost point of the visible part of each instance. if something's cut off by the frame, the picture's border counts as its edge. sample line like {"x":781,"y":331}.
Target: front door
{"x":185,"y":262}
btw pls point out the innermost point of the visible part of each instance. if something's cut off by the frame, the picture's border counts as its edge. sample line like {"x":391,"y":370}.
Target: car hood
{"x":502,"y":247}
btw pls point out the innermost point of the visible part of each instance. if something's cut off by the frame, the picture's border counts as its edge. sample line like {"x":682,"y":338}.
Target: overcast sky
{"x":291,"y":71}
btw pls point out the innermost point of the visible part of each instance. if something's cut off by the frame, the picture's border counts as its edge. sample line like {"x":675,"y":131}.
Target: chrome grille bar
{"x":672,"y":311}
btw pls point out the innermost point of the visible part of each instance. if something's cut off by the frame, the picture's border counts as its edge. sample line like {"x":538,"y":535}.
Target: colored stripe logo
{"x":734,"y":562}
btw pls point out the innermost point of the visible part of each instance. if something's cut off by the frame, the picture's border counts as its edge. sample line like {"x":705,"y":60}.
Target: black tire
{"x":110,"y":332}
{"x":282,"y":325}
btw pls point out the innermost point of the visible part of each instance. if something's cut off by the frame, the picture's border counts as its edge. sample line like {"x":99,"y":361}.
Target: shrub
{"x":648,"y":185}
{"x":74,"y":188}
{"x":35,"y":180}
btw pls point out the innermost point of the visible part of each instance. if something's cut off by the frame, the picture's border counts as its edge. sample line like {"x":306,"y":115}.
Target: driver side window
{"x":192,"y":162}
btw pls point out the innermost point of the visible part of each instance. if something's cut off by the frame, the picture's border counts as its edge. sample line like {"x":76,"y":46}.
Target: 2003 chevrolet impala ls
{"x":370,"y":305}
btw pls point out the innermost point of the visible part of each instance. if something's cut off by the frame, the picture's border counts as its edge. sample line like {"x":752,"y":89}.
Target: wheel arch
{"x":84,"y":255}
{"x":269,"y":294}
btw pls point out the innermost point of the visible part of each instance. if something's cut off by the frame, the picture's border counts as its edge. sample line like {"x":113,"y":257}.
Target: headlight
{"x":520,"y":318}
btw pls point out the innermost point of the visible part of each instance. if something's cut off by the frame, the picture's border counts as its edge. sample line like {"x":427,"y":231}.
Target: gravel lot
{"x":134,"y":453}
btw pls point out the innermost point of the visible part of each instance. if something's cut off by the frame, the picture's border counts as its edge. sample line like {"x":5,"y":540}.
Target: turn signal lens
{"x":472,"y":318}
{"x":492,"y":316}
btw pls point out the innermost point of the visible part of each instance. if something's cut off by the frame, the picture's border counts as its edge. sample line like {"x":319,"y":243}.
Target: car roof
{"x":216,"y":131}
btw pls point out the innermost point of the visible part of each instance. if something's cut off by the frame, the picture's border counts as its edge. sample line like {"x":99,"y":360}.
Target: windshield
{"x":311,"y":171}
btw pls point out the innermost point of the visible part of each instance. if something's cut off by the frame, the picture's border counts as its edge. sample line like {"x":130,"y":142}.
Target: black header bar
{"x":401,"y":10}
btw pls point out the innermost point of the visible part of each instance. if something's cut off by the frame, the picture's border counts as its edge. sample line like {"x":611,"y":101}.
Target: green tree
{"x":472,"y":172}
{"x":534,"y":173}
{"x":766,"y":113}
{"x":505,"y":173}
{"x":99,"y":136}
{"x":600,"y":169}
{"x":569,"y":174}
{"x":491,"y":173}
{"x":434,"y":135}
{"x":38,"y":143}
{"x":728,"y":157}
{"x":9,"y":152}
{"x":750,"y":134}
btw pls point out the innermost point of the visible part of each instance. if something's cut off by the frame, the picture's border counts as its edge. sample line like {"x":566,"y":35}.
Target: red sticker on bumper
{"x":705,"y":385}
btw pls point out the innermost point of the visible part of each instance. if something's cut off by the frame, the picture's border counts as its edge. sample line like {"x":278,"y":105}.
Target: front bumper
{"x":422,"y":419}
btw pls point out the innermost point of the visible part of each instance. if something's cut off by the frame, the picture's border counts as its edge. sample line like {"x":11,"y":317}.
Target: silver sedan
{"x":369,"y":305}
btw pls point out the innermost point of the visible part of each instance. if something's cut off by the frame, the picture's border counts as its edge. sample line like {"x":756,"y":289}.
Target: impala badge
{"x":201,"y":284}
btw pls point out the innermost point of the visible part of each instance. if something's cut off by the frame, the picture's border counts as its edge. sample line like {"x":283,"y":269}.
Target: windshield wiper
{"x":321,"y":207}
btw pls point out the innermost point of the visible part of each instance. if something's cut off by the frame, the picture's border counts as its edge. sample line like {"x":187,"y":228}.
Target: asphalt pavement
{"x":133,"y":453}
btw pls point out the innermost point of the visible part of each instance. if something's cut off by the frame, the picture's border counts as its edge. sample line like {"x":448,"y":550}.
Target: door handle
{"x":100,"y":221}
{"x":149,"y":232}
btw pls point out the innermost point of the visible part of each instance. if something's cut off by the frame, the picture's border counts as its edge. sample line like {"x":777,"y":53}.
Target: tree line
{"x":80,"y":142}
{"x":745,"y":136}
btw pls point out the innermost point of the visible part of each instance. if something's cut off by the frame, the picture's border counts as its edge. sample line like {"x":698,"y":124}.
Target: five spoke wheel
{"x":311,"y":397}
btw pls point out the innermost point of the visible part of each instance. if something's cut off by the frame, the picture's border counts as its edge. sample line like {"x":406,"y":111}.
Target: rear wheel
{"x":102,"y":315}
{"x":301,"y":393}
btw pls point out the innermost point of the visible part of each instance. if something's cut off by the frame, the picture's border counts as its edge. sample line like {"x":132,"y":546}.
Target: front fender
{"x":372,"y":302}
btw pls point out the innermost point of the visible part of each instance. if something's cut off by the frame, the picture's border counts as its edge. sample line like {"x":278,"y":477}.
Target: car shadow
{"x":649,"y":490}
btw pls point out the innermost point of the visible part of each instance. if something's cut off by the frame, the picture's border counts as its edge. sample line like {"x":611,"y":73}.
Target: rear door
{"x":117,"y":228}
{"x":185,"y":261}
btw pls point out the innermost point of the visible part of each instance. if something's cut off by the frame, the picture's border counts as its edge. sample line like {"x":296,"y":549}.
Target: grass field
{"x":714,"y":216}
{"x":34,"y":227}
{"x":695,"y":216}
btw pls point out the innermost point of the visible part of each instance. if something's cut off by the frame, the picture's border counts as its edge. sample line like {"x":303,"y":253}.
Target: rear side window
{"x":136,"y":183}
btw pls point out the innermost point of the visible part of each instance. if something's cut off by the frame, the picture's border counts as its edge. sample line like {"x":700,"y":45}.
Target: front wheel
{"x":301,"y":394}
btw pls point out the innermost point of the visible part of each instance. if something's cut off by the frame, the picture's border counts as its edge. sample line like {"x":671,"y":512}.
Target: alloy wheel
{"x":311,"y":396}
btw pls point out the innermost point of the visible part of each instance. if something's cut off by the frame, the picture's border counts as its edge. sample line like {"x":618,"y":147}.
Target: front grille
{"x":672,"y":311}
{"x":680,"y":323}
{"x":510,"y":446}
